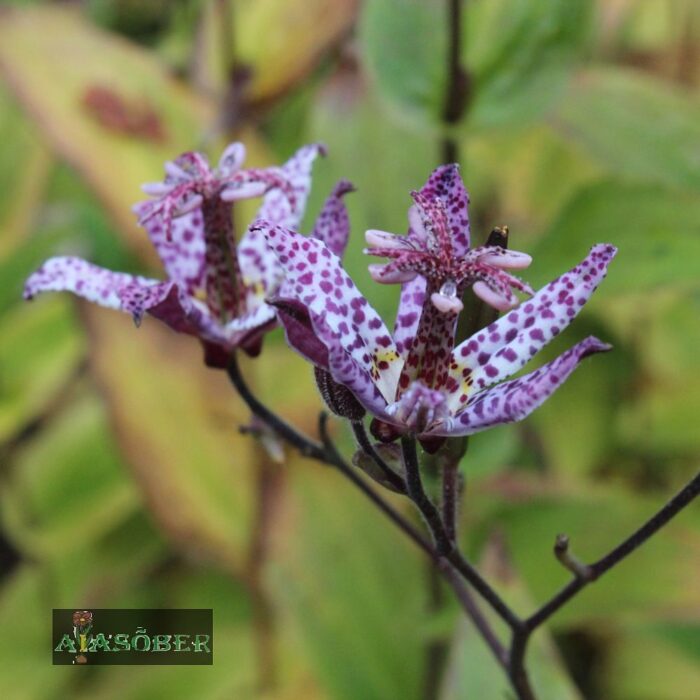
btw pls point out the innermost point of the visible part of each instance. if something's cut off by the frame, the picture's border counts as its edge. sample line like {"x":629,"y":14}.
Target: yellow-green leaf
{"x":177,"y":425}
{"x":280,"y":41}
{"x":76,"y":80}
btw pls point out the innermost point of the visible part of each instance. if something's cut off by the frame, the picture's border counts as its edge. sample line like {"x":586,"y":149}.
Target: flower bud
{"x":339,"y":399}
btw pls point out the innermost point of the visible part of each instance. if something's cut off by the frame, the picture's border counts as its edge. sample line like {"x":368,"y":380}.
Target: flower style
{"x":417,"y":380}
{"x":215,"y":289}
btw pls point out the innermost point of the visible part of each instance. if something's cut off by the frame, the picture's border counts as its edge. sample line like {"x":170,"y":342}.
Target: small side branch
{"x":305,"y":445}
{"x":358,"y":429}
{"x":585,"y":574}
{"x":623,"y":550}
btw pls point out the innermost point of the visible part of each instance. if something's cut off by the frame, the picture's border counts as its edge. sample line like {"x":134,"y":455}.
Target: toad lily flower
{"x":436,"y":264}
{"x":215,"y":290}
{"x":447,"y":391}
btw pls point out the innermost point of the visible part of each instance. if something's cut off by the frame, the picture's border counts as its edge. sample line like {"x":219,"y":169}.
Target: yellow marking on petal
{"x":386,"y":356}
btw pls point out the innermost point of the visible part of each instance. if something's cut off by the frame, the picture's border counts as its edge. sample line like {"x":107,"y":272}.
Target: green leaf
{"x":42,"y":348}
{"x":636,"y":126}
{"x":25,"y":646}
{"x":657,"y":232}
{"x":474,"y":673}
{"x":353,"y":585}
{"x":647,"y":664}
{"x":596,"y":522}
{"x":384,"y":176}
{"x":404,"y":45}
{"x":279,"y":41}
{"x":114,"y":159}
{"x":588,"y":405}
{"x":177,"y":425}
{"x":656,"y":419}
{"x":521,"y":55}
{"x":69,"y":487}
{"x":24,"y":167}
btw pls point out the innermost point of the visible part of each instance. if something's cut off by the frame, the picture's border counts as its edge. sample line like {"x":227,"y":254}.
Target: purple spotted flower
{"x":425,"y":385}
{"x":216,"y":288}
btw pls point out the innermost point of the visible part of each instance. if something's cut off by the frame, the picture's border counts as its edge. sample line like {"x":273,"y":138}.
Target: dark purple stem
{"x":358,"y":428}
{"x":458,"y":82}
{"x":592,"y":572}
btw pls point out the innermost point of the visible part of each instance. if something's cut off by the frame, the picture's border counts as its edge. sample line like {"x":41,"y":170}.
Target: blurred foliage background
{"x":123,"y":479}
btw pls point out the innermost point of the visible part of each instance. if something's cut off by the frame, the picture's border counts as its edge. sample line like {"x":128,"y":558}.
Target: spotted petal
{"x":333,"y":225}
{"x":514,"y":400}
{"x":409,"y":313}
{"x":286,"y":207}
{"x":446,"y":184}
{"x":418,"y":408}
{"x":182,"y":255}
{"x":84,"y":279}
{"x":502,"y":348}
{"x":260,"y":271}
{"x":316,"y":281}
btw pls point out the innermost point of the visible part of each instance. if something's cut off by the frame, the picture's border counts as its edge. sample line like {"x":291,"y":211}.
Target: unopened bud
{"x":339,"y":399}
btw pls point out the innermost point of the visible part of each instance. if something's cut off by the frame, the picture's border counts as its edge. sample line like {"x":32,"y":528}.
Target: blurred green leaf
{"x":69,"y":102}
{"x":25,"y":615}
{"x":404,"y":43}
{"x":644,"y":665}
{"x":656,"y":582}
{"x":521,"y":55}
{"x":108,"y":570}
{"x":41,"y":350}
{"x":24,"y":167}
{"x":354,"y":588}
{"x":232,"y":674}
{"x":659,"y":412}
{"x":576,"y":426}
{"x":384,"y":180}
{"x":474,"y":673}
{"x":638,"y":127}
{"x":67,"y":488}
{"x":177,"y":425}
{"x":280,"y":41}
{"x":657,"y":232}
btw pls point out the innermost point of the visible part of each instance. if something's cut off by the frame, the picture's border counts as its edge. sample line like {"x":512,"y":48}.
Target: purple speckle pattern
{"x":332,"y":226}
{"x":514,"y":400}
{"x":445,"y":184}
{"x":190,"y":181}
{"x":409,"y":313}
{"x":189,"y":222}
{"x":342,"y":318}
{"x":419,"y":408}
{"x":501,"y":349}
{"x":278,"y":207}
{"x":183,"y":254}
{"x":88,"y":281}
{"x":436,"y":249}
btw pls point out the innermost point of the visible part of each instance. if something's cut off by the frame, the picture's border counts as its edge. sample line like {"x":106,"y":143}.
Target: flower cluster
{"x":216,"y":286}
{"x":416,"y":380}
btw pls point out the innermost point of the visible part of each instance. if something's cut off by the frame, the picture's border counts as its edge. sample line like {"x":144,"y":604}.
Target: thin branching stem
{"x":358,"y":429}
{"x":327,"y":453}
{"x":594,"y":571}
{"x":452,"y":564}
